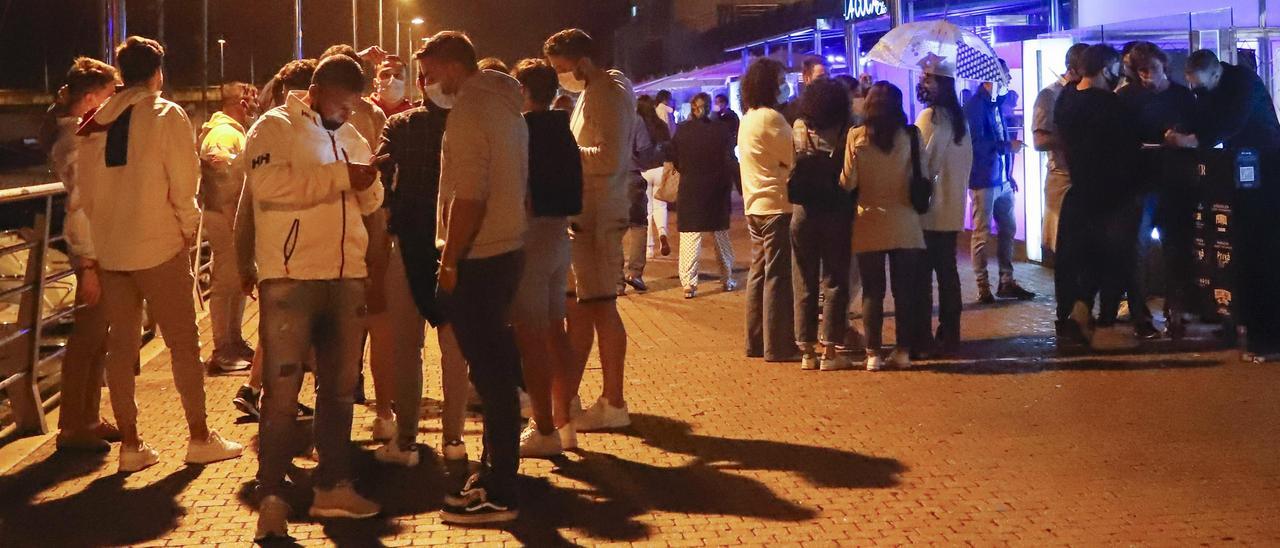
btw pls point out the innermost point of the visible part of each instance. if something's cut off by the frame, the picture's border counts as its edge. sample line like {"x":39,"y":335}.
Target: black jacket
{"x":412,"y":140}
{"x":702,"y":151}
{"x":555,"y":165}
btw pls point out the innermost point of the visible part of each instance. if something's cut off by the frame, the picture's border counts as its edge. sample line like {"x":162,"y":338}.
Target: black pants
{"x":1095,"y":255}
{"x":1141,"y":217}
{"x":1175,"y":217}
{"x":820,"y":261}
{"x":770,"y":309}
{"x":1255,"y":244}
{"x":904,"y":269}
{"x":479,"y":311}
{"x":940,"y":259}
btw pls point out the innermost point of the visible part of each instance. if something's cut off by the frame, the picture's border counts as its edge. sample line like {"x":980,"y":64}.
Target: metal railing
{"x":22,"y":369}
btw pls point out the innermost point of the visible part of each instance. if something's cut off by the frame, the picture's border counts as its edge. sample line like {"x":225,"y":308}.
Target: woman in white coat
{"x":945,"y":135}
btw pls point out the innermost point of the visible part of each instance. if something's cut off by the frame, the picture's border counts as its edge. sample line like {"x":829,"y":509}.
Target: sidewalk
{"x":1010,"y":444}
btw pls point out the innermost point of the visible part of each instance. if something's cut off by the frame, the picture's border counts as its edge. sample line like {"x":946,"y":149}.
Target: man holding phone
{"x":308,"y":199}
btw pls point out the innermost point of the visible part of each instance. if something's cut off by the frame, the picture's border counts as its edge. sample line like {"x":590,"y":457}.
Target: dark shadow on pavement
{"x":104,"y":513}
{"x":705,"y":483}
{"x":401,"y":492}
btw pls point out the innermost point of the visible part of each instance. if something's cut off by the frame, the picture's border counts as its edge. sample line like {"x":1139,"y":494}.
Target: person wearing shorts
{"x":555,"y":193}
{"x":601,"y":123}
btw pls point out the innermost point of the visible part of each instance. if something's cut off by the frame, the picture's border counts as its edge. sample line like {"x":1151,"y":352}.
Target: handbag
{"x":921,"y":187}
{"x":815,"y":179}
{"x":668,"y":187}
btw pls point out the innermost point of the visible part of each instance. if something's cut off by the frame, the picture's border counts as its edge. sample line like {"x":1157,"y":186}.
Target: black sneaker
{"x":246,"y":401}
{"x":1146,"y":331}
{"x":479,"y":510}
{"x":985,"y":296}
{"x":1011,"y":290}
{"x":637,"y":283}
{"x":305,"y":412}
{"x":1068,"y":334}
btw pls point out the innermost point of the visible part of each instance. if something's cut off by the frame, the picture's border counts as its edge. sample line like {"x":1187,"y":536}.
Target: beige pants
{"x":396,"y":337}
{"x":226,"y":300}
{"x":167,"y":291}
{"x":82,"y":371}
{"x":1055,"y":190}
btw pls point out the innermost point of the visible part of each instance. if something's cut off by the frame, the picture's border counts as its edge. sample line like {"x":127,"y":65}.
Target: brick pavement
{"x":1011,"y":444}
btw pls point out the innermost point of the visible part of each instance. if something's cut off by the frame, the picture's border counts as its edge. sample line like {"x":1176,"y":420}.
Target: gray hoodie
{"x":486,"y":158}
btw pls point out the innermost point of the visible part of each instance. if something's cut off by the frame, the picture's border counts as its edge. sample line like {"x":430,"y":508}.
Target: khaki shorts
{"x":540,"y":298}
{"x":597,"y":243}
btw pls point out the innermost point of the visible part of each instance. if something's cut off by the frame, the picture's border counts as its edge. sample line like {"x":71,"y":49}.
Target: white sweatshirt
{"x":62,"y":157}
{"x":308,"y":223}
{"x":601,"y":123}
{"x":766,"y":156}
{"x":142,"y":212}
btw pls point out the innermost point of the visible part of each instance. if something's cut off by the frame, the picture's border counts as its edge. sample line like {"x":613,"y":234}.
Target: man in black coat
{"x":1235,"y":110}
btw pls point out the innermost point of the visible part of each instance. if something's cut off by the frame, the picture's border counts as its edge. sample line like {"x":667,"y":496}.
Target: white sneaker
{"x":837,"y":362}
{"x":809,"y":362}
{"x":273,"y":519}
{"x":213,"y":449}
{"x":534,"y":444}
{"x":526,"y":406}
{"x":133,"y":460}
{"x":874,"y":362}
{"x":454,"y":451}
{"x":391,"y":453}
{"x":900,"y":358}
{"x":568,"y":437}
{"x":384,"y":429}
{"x":602,"y":416}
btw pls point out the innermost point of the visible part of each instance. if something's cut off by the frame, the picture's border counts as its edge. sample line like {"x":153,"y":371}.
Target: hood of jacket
{"x":104,"y":116}
{"x":503,"y":90}
{"x":221,"y":119}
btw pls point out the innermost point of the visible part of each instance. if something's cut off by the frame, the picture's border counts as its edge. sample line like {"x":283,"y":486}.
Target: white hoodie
{"x":142,"y":212}
{"x":307,"y":218}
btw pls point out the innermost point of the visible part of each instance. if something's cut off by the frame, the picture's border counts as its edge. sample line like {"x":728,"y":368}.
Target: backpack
{"x":815,"y":180}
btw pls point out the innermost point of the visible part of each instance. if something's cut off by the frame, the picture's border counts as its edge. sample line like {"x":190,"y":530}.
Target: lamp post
{"x":417,"y":21}
{"x":381,"y":23}
{"x":355,"y":24}
{"x":222,"y":59}
{"x":297,"y":29}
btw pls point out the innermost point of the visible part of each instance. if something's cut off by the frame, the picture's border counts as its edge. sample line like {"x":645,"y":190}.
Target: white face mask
{"x":571,"y":83}
{"x":437,"y":95}
{"x":391,"y":90}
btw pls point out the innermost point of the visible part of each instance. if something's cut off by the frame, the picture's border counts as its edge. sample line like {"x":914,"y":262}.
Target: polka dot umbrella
{"x":942,"y":48}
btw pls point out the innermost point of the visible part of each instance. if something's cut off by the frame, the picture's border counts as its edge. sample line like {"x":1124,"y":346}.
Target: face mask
{"x":571,"y":83}
{"x":392,"y":91}
{"x":437,"y":95}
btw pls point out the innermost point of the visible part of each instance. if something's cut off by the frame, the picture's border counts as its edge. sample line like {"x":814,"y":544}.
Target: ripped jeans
{"x":296,"y":316}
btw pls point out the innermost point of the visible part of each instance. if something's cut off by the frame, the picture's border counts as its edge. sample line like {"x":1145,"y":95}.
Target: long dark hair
{"x":825,"y":105}
{"x":884,"y":115}
{"x":761,"y":83}
{"x":658,"y":130}
{"x":947,"y":102}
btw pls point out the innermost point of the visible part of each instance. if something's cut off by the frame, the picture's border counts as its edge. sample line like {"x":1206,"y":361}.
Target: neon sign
{"x":857,"y":10}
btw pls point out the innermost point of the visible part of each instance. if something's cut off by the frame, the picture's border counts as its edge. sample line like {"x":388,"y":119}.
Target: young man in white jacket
{"x":137,"y":174}
{"x":311,"y":187}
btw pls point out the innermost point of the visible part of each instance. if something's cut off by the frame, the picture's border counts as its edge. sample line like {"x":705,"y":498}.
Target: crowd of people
{"x":511,"y":222}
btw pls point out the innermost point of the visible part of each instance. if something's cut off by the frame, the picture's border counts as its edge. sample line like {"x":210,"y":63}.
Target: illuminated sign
{"x":858,"y":10}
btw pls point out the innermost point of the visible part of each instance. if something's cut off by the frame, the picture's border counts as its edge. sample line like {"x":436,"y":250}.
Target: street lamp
{"x":417,"y":21}
{"x":222,"y":59}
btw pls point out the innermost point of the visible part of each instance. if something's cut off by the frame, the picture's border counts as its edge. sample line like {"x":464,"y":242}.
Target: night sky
{"x":36,"y":33}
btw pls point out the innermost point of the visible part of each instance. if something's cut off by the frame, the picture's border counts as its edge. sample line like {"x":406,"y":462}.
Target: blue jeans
{"x":296,"y":316}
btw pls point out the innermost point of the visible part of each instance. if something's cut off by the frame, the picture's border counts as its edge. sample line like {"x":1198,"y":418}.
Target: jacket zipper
{"x":342,"y":252}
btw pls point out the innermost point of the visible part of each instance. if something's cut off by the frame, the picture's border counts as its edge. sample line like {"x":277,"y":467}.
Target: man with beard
{"x":1101,"y":143}
{"x":1235,"y":110}
{"x":1159,"y":105}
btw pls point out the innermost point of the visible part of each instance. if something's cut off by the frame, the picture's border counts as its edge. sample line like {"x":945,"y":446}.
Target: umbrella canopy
{"x":939,"y":47}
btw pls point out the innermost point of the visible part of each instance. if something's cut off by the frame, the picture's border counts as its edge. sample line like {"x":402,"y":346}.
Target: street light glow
{"x":418,"y":21}
{"x":221,"y":42}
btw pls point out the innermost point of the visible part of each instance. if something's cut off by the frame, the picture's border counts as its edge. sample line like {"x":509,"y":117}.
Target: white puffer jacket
{"x":307,"y":218}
